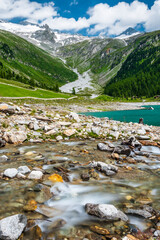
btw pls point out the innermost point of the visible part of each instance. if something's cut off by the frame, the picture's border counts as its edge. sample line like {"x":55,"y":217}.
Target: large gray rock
{"x":15,"y":136}
{"x":108,"y":169}
{"x":105,"y":147}
{"x":35,"y":175}
{"x":24,"y":170}
{"x":122,"y":150}
{"x":132,"y":141}
{"x":139,"y":212}
{"x":10,"y":172}
{"x":2,"y":143}
{"x":74,"y":116}
{"x":3,"y":158}
{"x":105,"y":212}
{"x":7,"y":108}
{"x":12,"y":227}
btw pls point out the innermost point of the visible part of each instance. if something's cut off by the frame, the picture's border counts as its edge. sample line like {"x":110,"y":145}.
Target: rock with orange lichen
{"x":55,"y":178}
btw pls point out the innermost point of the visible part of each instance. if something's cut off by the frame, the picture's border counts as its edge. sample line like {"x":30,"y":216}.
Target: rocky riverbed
{"x":72,"y":177}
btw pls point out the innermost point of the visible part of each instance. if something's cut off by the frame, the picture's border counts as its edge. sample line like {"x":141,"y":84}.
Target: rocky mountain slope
{"x":24,"y":62}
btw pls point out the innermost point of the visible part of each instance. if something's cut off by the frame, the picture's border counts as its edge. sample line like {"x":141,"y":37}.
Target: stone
{"x":143,"y":137}
{"x":74,"y":116}
{"x":21,"y":176}
{"x":69,"y":132}
{"x":122,"y":150}
{"x":66,"y":124}
{"x":129,"y":237}
{"x":51,"y":132}
{"x":12,"y":227}
{"x":139,"y":212}
{"x":3,"y":158}
{"x":2,"y":142}
{"x":7,"y":108}
{"x":24,"y":169}
{"x":115,"y":156}
{"x":15,"y":137}
{"x":96,"y":130}
{"x":59,"y":138}
{"x":10,"y":172}
{"x":132,"y":141}
{"x":33,"y":126}
{"x":157,"y":233}
{"x":104,"y":147}
{"x":108,"y":169}
{"x":105,"y":212}
{"x":85,"y":176}
{"x":35,"y":175}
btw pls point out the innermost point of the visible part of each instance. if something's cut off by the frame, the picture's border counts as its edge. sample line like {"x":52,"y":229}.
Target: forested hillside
{"x":140,"y":73}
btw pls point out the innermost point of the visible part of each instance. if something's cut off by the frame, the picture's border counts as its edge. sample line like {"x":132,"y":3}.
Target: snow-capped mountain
{"x":128,"y":33}
{"x":42,"y":36}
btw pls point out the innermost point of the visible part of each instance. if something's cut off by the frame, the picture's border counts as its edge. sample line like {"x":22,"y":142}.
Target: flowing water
{"x":63,"y":213}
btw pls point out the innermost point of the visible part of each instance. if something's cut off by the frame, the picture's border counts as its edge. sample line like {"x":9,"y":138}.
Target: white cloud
{"x":153,"y":20}
{"x":102,"y":18}
{"x":24,"y":8}
{"x":68,"y":24}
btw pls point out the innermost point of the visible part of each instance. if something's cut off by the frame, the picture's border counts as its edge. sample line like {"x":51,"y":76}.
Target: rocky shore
{"x":77,"y":177}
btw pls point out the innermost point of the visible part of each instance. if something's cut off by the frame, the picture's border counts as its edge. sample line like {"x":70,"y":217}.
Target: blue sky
{"x":89,"y":17}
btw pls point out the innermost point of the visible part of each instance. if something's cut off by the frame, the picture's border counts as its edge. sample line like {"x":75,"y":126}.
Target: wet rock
{"x":99,"y":230}
{"x":24,"y":170}
{"x":33,"y":233}
{"x":129,"y":237}
{"x":21,"y":176}
{"x":30,"y":206}
{"x":139,"y":212}
{"x":132,"y":141}
{"x":15,"y":136}
{"x":38,"y":187}
{"x":10,"y":172}
{"x":108,"y":169}
{"x":35,"y":175}
{"x":122,"y":150}
{"x":105,"y":212}
{"x":12,"y":227}
{"x":74,"y":116}
{"x":3,"y":158}
{"x":143,"y":137}
{"x":157,"y":233}
{"x":69,"y":132}
{"x":43,"y":195}
{"x":115,"y":156}
{"x":104,"y":147}
{"x":2,"y":143}
{"x":85,"y":176}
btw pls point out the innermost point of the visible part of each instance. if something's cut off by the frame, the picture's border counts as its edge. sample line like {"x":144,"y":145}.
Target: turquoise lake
{"x":150,"y":117}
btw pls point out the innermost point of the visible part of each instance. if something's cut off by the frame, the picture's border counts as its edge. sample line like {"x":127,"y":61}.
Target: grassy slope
{"x":19,"y":90}
{"x":29,"y":61}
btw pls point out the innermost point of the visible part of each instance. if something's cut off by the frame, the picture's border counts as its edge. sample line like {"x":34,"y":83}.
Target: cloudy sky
{"x":90,"y":17}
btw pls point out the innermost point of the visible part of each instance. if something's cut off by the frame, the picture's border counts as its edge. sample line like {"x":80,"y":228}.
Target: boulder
{"x":2,"y":143}
{"x":3,"y":158}
{"x":7,"y":108}
{"x":35,"y":175}
{"x":132,"y":141}
{"x":51,"y":132}
{"x":105,"y":212}
{"x":96,"y":130}
{"x":108,"y":169}
{"x":122,"y":150}
{"x":12,"y":227}
{"x":10,"y":172}
{"x":105,"y":147}
{"x":59,"y":138}
{"x":33,"y":126}
{"x":69,"y":132}
{"x":139,"y":212}
{"x":24,"y":170}
{"x":74,"y":116}
{"x":15,"y":136}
